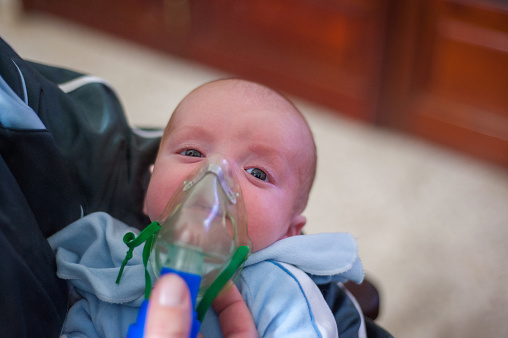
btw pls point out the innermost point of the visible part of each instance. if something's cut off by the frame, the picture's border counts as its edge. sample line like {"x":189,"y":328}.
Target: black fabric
{"x":347,"y":322}
{"x":33,"y":300}
{"x":33,"y":156}
{"x":108,"y":162}
{"x":347,"y":318}
{"x":86,"y":160}
{"x":375,"y":331}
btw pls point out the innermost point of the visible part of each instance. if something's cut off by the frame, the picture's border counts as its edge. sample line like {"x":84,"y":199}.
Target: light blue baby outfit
{"x":278,"y":283}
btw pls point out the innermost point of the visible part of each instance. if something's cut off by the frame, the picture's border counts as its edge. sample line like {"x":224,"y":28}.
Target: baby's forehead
{"x":235,"y":87}
{"x":234,"y":94}
{"x":210,"y":100}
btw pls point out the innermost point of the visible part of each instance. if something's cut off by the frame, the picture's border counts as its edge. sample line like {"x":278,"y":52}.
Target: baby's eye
{"x":258,"y":173}
{"x":192,"y":153}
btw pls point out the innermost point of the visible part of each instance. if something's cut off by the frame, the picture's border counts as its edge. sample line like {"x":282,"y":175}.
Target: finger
{"x":234,"y":315}
{"x":169,"y":310}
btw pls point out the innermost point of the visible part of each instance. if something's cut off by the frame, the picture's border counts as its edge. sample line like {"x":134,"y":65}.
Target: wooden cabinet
{"x":437,"y":69}
{"x":328,"y":51}
{"x":448,"y":79}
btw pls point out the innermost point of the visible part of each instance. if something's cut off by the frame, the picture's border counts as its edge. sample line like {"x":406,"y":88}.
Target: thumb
{"x":169,"y":310}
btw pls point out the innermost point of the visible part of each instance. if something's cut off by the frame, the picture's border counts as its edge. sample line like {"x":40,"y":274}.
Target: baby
{"x":270,"y":147}
{"x":265,"y":138}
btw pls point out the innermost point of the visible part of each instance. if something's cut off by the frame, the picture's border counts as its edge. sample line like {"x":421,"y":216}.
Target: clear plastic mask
{"x":203,"y":224}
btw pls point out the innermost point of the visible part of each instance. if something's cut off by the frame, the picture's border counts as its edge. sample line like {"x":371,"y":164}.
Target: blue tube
{"x":136,"y":330}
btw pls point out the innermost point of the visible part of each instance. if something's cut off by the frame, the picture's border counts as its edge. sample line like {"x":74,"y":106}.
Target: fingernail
{"x":172,"y":291}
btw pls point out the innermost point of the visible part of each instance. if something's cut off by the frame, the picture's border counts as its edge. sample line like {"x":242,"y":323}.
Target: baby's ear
{"x":296,"y":226}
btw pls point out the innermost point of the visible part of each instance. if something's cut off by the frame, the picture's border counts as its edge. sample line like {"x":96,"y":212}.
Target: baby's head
{"x":261,"y":134}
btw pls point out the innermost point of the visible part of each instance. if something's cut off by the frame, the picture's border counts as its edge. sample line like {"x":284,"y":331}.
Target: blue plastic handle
{"x":136,"y":330}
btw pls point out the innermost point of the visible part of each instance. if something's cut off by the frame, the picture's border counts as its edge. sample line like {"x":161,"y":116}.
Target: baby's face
{"x":260,"y":138}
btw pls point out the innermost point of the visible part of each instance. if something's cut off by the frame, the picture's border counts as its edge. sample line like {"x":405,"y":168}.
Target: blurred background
{"x":407,"y":100}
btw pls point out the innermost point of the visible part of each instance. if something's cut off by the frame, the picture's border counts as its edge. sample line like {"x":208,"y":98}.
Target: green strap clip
{"x":147,"y":236}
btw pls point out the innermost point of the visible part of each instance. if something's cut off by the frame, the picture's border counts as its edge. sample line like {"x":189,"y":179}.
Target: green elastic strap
{"x":236,"y":262}
{"x":146,"y":236}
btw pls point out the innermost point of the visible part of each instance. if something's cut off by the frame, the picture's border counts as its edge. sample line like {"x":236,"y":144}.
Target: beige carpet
{"x":432,"y":225}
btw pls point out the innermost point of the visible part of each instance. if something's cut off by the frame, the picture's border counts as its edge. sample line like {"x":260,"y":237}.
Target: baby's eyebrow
{"x":199,"y":132}
{"x":277,"y":158}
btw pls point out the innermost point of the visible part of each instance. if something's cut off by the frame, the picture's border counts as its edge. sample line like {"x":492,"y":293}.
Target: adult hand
{"x":169,"y":312}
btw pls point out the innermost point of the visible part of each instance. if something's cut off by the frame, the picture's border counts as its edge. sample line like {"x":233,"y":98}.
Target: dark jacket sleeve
{"x":80,"y":157}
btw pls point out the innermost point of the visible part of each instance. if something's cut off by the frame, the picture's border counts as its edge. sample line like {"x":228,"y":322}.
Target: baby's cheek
{"x":262,"y":231}
{"x":264,"y":217}
{"x":155,"y":203}
{"x":153,"y":208}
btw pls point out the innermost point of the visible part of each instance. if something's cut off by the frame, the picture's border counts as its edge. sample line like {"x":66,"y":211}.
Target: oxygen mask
{"x":203,"y":224}
{"x":201,"y":235}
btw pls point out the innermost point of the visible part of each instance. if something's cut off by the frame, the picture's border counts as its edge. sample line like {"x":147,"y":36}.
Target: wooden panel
{"x":461,"y":101}
{"x":473,"y":131}
{"x":327,"y":51}
{"x":470,"y":64}
{"x":436,"y":68}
